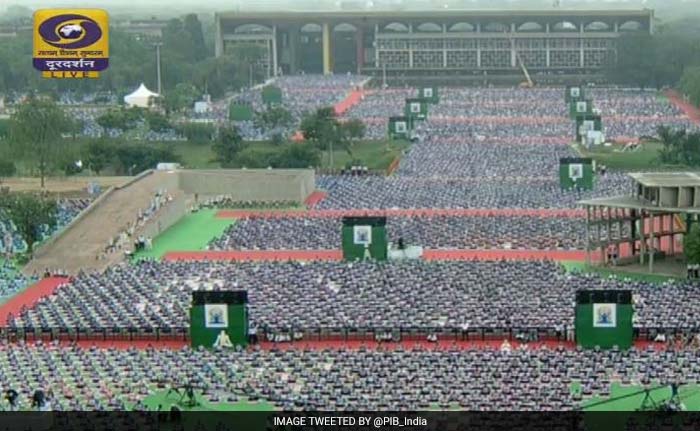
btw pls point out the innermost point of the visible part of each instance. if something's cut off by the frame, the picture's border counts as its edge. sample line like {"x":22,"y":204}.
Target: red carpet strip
{"x":351,"y":100}
{"x":265,"y":255}
{"x":688,"y":109}
{"x":29,"y":296}
{"x":423,"y":212}
{"x":314,"y":198}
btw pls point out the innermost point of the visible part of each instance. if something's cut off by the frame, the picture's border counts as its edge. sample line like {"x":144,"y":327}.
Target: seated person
{"x":223,"y":340}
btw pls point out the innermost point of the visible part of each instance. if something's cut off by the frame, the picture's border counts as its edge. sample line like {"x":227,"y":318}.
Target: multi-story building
{"x":415,"y":43}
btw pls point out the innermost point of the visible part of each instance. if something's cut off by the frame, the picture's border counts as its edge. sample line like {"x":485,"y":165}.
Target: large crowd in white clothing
{"x":284,"y":296}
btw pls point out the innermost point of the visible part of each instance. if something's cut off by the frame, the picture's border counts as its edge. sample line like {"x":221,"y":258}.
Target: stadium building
{"x":436,"y":43}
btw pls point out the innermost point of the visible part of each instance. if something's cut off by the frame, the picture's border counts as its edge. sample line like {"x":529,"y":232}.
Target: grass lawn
{"x":192,"y":233}
{"x":645,"y":158}
{"x":375,"y":154}
{"x":199,"y":156}
{"x":629,"y":398}
{"x":166,"y":401}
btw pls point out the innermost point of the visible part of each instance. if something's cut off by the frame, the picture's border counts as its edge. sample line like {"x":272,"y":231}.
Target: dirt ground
{"x":60,"y":185}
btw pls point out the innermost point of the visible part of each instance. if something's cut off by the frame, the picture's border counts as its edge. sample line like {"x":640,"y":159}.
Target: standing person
{"x":252,"y":334}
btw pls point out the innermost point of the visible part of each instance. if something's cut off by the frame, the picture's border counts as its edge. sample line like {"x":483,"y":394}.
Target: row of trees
{"x":36,"y":135}
{"x":679,"y":147}
{"x":653,"y":61}
{"x":690,"y":84}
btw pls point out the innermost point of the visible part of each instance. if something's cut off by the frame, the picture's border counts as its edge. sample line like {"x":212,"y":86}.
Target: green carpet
{"x":621,"y":398}
{"x":573,"y":266}
{"x":192,"y":233}
{"x":11,"y":273}
{"x":165,"y":402}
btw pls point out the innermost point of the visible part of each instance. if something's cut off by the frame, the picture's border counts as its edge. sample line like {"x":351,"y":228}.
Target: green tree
{"x":656,"y":60}
{"x":99,"y":154}
{"x":35,"y":132}
{"x":157,"y":121}
{"x":634,"y":62}
{"x":679,"y":146}
{"x":277,"y":140}
{"x":179,"y":98}
{"x":196,"y":133}
{"x":273,"y":118}
{"x":354,"y":129}
{"x":121,"y":118}
{"x":29,"y":213}
{"x":227,"y":146}
{"x":135,"y":158}
{"x":323,"y":129}
{"x":691,"y":245}
{"x":671,"y":142}
{"x":7,"y":169}
{"x":690,"y":84}
{"x":4,"y":129}
{"x":193,"y":27}
{"x":297,"y":156}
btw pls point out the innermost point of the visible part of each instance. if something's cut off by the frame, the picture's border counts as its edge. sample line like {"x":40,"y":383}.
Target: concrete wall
{"x":250,"y":184}
{"x":166,"y":217}
{"x":44,"y":247}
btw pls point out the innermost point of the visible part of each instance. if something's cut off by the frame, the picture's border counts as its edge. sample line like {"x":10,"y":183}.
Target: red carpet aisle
{"x":29,"y":296}
{"x":491,"y":255}
{"x":255,"y":255}
{"x":353,"y":99}
{"x":350,"y":345}
{"x":428,"y":254}
{"x":423,"y":212}
{"x":691,"y":111}
{"x":313,"y":199}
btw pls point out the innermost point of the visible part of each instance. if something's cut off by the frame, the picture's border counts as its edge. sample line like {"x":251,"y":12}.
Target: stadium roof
{"x":439,"y":13}
{"x":667,"y":179}
{"x":632,"y":202}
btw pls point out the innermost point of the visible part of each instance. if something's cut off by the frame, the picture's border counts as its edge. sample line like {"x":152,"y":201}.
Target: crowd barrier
{"x":16,"y":334}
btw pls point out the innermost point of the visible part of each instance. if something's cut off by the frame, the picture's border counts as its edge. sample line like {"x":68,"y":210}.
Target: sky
{"x":213,"y":5}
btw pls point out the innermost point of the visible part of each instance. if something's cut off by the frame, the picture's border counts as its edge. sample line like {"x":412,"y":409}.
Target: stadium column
{"x":513,"y":55}
{"x":327,"y":61}
{"x":444,"y":46}
{"x":293,"y":48}
{"x":547,"y":45}
{"x":274,"y":50}
{"x":360,"y":48}
{"x":478,"y":46}
{"x":651,"y":241}
{"x":588,"y":235}
{"x":642,"y":236}
{"x":583,"y":57}
{"x":599,"y":226}
{"x":608,"y":233}
{"x":376,"y":46}
{"x":218,"y":40}
{"x":410,"y":48}
{"x":672,"y":226}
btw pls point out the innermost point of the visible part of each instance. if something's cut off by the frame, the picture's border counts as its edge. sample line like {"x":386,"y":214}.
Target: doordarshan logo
{"x":71,"y":43}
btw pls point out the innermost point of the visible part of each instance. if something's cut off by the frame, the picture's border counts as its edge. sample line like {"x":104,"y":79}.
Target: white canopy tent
{"x":140,"y":97}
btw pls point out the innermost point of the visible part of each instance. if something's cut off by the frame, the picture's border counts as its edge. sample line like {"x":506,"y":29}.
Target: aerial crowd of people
{"x":480,"y":148}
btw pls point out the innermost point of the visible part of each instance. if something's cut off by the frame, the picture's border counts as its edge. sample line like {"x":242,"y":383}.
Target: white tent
{"x":140,"y":97}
